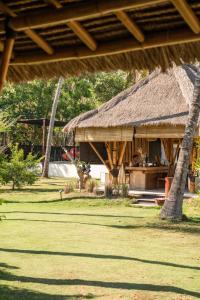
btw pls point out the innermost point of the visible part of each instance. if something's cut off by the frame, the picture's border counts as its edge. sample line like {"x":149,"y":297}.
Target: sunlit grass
{"x":85,"y":247}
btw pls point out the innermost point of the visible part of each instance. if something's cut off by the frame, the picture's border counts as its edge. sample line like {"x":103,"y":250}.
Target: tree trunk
{"x":51,"y":126}
{"x":172,"y":208}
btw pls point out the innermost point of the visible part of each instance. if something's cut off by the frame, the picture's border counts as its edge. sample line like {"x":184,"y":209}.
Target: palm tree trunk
{"x":51,"y":126}
{"x":172,"y":208}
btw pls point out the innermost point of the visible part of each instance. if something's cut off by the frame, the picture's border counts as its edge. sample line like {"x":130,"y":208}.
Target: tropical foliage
{"x":17,"y":169}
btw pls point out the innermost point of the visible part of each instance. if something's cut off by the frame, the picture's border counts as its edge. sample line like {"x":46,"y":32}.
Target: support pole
{"x":6,"y":55}
{"x":99,"y":155}
{"x":51,"y":127}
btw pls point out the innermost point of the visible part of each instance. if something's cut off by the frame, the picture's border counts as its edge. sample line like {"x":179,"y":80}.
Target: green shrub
{"x":70,"y":186}
{"x":91,"y":184}
{"x":19,"y":170}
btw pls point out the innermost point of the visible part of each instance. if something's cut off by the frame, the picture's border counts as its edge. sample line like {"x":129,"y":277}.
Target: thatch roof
{"x":158,"y":99}
{"x":69,"y":37}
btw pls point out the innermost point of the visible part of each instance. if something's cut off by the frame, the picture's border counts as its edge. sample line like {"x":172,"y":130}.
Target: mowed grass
{"x":88,"y":248}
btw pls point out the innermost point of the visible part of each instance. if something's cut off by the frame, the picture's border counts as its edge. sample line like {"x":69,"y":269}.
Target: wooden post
{"x":115,"y":153}
{"x":122,"y":154}
{"x":99,"y":155}
{"x":43,"y":136}
{"x":109,"y":154}
{"x":6,"y":55}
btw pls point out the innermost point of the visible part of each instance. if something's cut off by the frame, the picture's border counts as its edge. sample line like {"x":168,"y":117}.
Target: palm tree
{"x":172,"y":208}
{"x":51,"y":126}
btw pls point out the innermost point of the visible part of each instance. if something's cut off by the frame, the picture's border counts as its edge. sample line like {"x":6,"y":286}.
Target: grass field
{"x":87,"y":248}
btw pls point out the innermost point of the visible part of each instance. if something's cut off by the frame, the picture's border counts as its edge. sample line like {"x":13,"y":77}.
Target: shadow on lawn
{"x":72,"y":222}
{"x":99,"y":256}
{"x":70,"y":214}
{"x":186,"y":227}
{"x":91,"y":283}
{"x":57,"y":200}
{"x":7,"y":292}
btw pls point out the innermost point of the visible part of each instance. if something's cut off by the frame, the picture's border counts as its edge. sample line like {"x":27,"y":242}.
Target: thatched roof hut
{"x":69,"y":37}
{"x":160,"y":99}
{"x":146,"y":120}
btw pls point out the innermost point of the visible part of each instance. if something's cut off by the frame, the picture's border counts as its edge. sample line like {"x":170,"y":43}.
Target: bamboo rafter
{"x":161,"y":30}
{"x":110,"y":48}
{"x":130,"y":25}
{"x":5,"y":60}
{"x":29,"y":32}
{"x":188,"y":15}
{"x":77,"y":28}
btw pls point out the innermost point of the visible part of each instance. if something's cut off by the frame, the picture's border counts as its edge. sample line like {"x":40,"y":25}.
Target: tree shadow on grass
{"x":71,"y":214}
{"x":186,"y":227}
{"x":73,"y":222}
{"x":98,"y":256}
{"x":7,"y":292}
{"x":58,"y":199}
{"x":103,"y":284}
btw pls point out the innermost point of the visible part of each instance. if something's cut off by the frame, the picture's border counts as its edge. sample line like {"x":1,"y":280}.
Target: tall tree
{"x":172,"y":208}
{"x":51,"y":126}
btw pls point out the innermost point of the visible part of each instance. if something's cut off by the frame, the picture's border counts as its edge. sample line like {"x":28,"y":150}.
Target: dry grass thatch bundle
{"x":158,"y":99}
{"x":69,"y":37}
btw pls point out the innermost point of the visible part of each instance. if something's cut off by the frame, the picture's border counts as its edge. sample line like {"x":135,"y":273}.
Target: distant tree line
{"x":79,"y":94}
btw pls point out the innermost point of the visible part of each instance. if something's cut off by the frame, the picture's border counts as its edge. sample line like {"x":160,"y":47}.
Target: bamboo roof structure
{"x":159,"y":99}
{"x":48,"y":38}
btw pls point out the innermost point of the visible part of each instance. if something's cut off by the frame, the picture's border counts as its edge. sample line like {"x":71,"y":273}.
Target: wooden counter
{"x":144,"y":178}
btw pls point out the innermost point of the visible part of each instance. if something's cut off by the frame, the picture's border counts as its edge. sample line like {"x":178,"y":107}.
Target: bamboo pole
{"x":29,"y":32}
{"x":114,"y":150}
{"x":130,"y":25}
{"x":122,"y":154}
{"x":109,"y":154}
{"x":99,"y":155}
{"x":6,"y":57}
{"x":77,"y":12}
{"x":77,"y":28}
{"x":45,"y":172}
{"x":188,"y":15}
{"x":109,"y":48}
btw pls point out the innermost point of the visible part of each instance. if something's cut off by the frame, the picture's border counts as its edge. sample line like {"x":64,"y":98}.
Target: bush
{"x":19,"y":170}
{"x":91,"y":184}
{"x":70,"y":186}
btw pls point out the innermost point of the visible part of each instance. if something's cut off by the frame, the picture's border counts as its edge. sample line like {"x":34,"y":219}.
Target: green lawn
{"x":87,"y":248}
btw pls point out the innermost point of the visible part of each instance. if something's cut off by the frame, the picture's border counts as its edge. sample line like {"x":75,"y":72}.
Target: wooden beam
{"x":5,"y":60}
{"x":83,"y":34}
{"x":77,"y":28}
{"x":77,"y":12}
{"x":130,"y":25}
{"x":109,"y":48}
{"x":29,"y":32}
{"x":107,"y":145}
{"x":114,"y":152}
{"x":188,"y":15}
{"x":99,"y":155}
{"x":122,"y":154}
{"x":39,"y":41}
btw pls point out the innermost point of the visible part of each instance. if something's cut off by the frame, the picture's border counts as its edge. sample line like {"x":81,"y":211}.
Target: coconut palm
{"x":51,"y":126}
{"x":172,"y":208}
